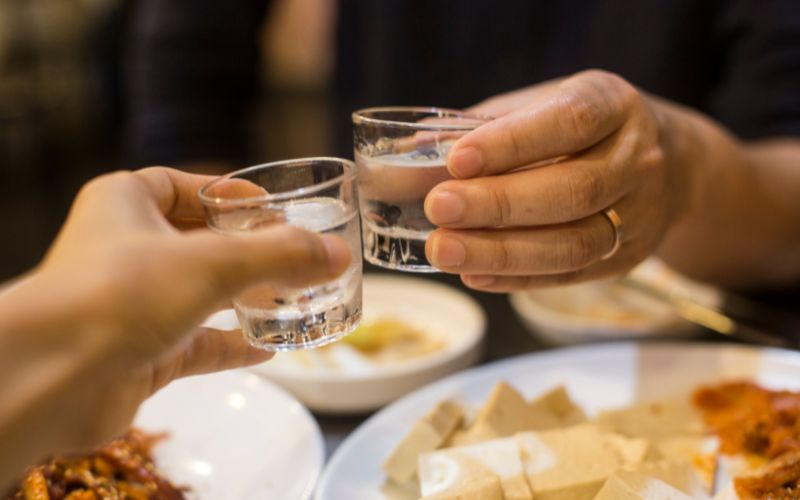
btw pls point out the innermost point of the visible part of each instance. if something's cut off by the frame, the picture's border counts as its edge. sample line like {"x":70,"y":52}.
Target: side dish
{"x":121,"y":470}
{"x":548,"y":449}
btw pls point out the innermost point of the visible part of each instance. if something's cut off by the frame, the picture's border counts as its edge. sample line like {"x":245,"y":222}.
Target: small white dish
{"x":358,"y":385}
{"x":597,"y":377}
{"x":609,"y":309}
{"x":234,"y":435}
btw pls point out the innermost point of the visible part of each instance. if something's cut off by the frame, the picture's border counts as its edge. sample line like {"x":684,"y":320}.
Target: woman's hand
{"x":112,"y":313}
{"x":532,"y":185}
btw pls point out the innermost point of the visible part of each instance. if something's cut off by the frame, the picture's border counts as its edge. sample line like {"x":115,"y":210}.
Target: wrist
{"x":683,"y":147}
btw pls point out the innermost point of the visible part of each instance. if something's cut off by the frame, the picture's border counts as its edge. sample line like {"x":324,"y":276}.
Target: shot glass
{"x":317,"y":194}
{"x":401,"y":154}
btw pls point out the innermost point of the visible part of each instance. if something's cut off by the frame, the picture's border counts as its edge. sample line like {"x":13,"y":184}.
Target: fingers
{"x":505,"y":284}
{"x":573,"y":116}
{"x":503,"y":104}
{"x":278,"y":254}
{"x":234,"y":189}
{"x":174,"y":192}
{"x":208,"y":351}
{"x":552,"y":249}
{"x":554,"y":194}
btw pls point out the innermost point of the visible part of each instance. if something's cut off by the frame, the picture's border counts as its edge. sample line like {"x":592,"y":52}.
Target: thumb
{"x":208,"y":350}
{"x":280,"y":255}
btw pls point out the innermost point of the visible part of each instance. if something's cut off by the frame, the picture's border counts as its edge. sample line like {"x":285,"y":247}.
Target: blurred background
{"x":64,"y":67}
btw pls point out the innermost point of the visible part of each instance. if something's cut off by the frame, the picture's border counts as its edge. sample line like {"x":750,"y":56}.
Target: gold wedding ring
{"x":616,"y":224}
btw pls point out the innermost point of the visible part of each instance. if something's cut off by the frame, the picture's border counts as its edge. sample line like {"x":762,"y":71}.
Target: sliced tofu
{"x":558,"y":402}
{"x":630,"y":485}
{"x":484,"y":489}
{"x":445,"y":470}
{"x":701,"y":452}
{"x":427,"y":435}
{"x":680,"y":474}
{"x":653,"y":421}
{"x":571,"y":463}
{"x":675,"y":429}
{"x":631,"y":450}
{"x":506,"y":413}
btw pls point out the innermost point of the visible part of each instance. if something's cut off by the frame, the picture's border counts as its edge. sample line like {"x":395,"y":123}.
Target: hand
{"x":115,"y":306}
{"x":527,"y":207}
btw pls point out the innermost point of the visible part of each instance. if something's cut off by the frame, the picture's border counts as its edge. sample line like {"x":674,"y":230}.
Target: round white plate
{"x":359,"y":385}
{"x":236,"y":436}
{"x":597,"y":377}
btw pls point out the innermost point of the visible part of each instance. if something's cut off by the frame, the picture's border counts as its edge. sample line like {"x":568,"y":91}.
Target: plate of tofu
{"x":595,"y":422}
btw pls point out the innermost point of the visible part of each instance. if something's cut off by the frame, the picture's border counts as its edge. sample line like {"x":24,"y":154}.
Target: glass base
{"x":276,"y":338}
{"x":406,"y":268}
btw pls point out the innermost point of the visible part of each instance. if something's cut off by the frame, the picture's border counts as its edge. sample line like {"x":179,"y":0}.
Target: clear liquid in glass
{"x":393,"y":188}
{"x":277,"y":318}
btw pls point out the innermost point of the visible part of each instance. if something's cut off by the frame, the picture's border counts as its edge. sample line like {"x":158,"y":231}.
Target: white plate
{"x":360,"y":385}
{"x":597,"y":376}
{"x":236,"y":436}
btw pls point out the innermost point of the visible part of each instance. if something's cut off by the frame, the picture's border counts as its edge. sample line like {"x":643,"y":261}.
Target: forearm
{"x":738,"y":221}
{"x":50,"y":361}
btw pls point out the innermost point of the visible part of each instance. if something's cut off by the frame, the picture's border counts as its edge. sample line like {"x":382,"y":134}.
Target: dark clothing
{"x":195,"y":61}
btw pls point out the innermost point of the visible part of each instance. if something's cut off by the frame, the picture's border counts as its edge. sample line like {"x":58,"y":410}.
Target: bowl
{"x":337,"y":379}
{"x":610,"y":309}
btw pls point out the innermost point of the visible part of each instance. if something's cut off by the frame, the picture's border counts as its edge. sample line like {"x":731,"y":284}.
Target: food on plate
{"x":457,"y":470}
{"x":630,"y":485}
{"x":674,"y":428}
{"x":547,"y":449}
{"x":382,"y":342}
{"x":574,"y":462}
{"x":390,"y":334}
{"x":750,"y":419}
{"x":428,"y":434}
{"x":513,"y":448}
{"x":123,"y":470}
{"x":506,"y":413}
{"x":777,"y":479}
{"x":761,"y":425}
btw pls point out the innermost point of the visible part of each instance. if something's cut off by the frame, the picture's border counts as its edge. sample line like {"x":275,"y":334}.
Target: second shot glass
{"x":401,"y":154}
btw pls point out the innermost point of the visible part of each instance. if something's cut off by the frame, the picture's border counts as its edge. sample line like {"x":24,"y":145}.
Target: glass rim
{"x":359,"y":117}
{"x":349,"y":173}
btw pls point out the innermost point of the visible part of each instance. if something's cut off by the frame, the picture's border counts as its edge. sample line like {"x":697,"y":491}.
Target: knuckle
{"x":577,"y":250}
{"x":605,"y":80}
{"x":515,"y":143}
{"x":502,"y":259}
{"x":101,"y":183}
{"x":586,"y":193}
{"x":652,"y":159}
{"x":501,"y":202}
{"x":582,"y":114}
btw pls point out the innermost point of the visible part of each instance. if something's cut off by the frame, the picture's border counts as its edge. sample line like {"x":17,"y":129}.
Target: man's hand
{"x":527,"y":206}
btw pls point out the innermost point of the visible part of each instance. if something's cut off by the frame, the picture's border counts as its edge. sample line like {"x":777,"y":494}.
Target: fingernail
{"x":481,"y":281}
{"x":466,"y":162}
{"x":444,"y":207}
{"x":449,"y":252}
{"x":338,"y":253}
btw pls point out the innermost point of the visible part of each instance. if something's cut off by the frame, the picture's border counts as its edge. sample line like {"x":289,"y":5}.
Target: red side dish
{"x":758,"y":423}
{"x":121,"y":470}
